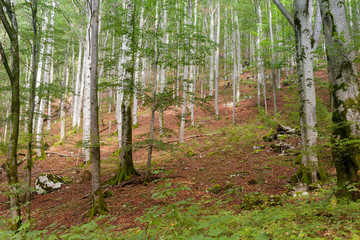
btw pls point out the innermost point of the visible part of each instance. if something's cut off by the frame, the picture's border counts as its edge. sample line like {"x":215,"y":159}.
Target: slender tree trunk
{"x":153,"y":109}
{"x":63,"y":99}
{"x":77,"y":97}
{"x":194,"y":72}
{"x":126,"y":157}
{"x":87,"y":97}
{"x":212,"y":57}
{"x":162,"y":72}
{"x":34,"y":66}
{"x":137,"y":73}
{"x":259,"y":59}
{"x":272,"y":58}
{"x":98,"y":203}
{"x":46,"y":80}
{"x":185,"y":84}
{"x":239,"y":58}
{"x":13,"y":71}
{"x":51,"y":81}
{"x":217,"y":57}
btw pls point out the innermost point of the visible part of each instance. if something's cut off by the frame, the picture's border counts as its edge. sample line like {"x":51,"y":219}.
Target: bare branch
{"x":4,"y":60}
{"x":5,"y":21}
{"x":79,"y":37}
{"x":284,"y":12}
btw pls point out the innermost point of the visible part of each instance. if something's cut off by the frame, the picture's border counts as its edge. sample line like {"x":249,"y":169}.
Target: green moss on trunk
{"x":124,"y":174}
{"x":99,"y":206}
{"x":304,"y":175}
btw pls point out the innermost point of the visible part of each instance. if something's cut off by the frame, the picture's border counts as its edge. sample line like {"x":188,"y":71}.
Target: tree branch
{"x":76,"y":32}
{"x":317,"y":27}
{"x":284,"y":12}
{"x":5,"y":21}
{"x":4,"y":60}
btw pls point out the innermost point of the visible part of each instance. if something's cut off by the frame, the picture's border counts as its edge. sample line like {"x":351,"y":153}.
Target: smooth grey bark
{"x":98,"y":202}
{"x":185,"y":80}
{"x":51,"y":80}
{"x":63,"y":98}
{"x":259,"y":59}
{"x":212,"y":56}
{"x":345,"y":92}
{"x":239,"y":57}
{"x":235,"y":73}
{"x":126,"y":168}
{"x":217,"y":59}
{"x":138,"y":71}
{"x":86,"y":96}
{"x":272,"y":57}
{"x":77,"y":101}
{"x":153,"y":108}
{"x":45,"y":78}
{"x":306,"y":43}
{"x":193,"y":71}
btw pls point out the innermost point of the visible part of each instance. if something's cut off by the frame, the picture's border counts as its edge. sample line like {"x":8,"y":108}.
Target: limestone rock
{"x":46,"y":183}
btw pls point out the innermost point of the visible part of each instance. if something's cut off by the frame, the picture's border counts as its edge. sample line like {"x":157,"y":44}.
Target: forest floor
{"x":216,"y":156}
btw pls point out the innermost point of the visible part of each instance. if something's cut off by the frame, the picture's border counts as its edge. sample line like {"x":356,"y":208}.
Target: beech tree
{"x":34,"y":66}
{"x":344,"y":90}
{"x":126,"y":168}
{"x":98,"y":203}
{"x":307,"y":38}
{"x":9,"y":22}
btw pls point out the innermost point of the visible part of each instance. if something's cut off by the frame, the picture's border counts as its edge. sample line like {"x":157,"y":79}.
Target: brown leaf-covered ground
{"x":217,"y":153}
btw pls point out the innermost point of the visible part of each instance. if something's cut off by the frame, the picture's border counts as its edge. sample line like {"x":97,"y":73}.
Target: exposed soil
{"x":215,"y":155}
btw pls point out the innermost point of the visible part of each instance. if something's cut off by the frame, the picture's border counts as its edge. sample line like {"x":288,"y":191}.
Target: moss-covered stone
{"x":216,"y":189}
{"x":46,"y":183}
{"x":270,"y":136}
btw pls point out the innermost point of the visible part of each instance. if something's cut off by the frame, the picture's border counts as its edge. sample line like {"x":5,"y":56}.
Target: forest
{"x":179,"y":119}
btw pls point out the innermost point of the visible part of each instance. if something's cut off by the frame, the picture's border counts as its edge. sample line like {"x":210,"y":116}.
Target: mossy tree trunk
{"x":9,"y":22}
{"x":345,"y":94}
{"x":306,"y":37}
{"x":126,"y":157}
{"x":98,"y":203}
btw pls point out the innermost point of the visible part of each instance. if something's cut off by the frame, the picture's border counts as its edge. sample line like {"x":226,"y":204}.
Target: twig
{"x":196,"y":136}
{"x":55,"y":170}
{"x":62,"y":155}
{"x":107,"y":127}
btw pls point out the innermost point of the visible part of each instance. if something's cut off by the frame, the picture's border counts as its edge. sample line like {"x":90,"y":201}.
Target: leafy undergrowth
{"x":316,"y":216}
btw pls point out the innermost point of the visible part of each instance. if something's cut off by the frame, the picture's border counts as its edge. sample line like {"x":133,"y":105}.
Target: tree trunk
{"x":126,"y":157}
{"x":217,"y":57}
{"x":344,"y":90}
{"x":77,"y":101}
{"x":63,"y":99}
{"x":272,"y":58}
{"x":87,"y":102}
{"x":98,"y":202}
{"x":34,"y":66}
{"x":194,"y":73}
{"x":41,"y":107}
{"x":13,"y":72}
{"x":259,"y":59}
{"x":308,"y":119}
{"x":212,"y":57}
{"x":306,"y":41}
